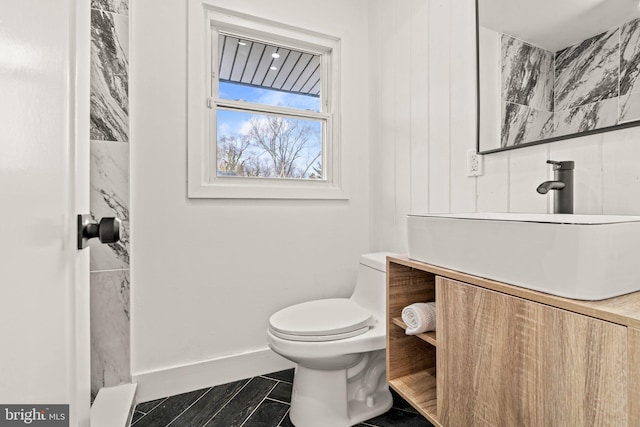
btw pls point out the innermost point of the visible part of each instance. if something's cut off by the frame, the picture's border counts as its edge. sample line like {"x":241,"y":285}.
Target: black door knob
{"x":107,"y":230}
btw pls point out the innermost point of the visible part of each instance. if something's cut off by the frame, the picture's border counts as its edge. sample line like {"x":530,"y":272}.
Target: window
{"x":254,"y":139}
{"x":263,"y":117}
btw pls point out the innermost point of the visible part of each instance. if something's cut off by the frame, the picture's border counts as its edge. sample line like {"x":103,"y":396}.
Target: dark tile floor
{"x":255,"y":402}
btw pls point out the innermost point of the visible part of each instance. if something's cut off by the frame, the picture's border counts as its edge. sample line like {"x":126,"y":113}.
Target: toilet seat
{"x":321,"y":320}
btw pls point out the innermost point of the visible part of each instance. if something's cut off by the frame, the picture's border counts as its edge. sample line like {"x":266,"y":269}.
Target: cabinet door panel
{"x":634,"y":376}
{"x":511,"y":362}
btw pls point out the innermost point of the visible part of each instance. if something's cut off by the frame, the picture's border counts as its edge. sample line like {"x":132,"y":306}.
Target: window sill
{"x":267,"y":190}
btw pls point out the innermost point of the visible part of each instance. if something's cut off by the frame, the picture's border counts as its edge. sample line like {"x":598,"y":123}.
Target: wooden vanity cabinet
{"x":506,"y":361}
{"x":501,"y":359}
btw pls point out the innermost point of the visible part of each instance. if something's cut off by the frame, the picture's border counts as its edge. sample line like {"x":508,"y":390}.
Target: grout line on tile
{"x":189,"y":407}
{"x":283,"y":417}
{"x":276,"y":400}
{"x":225,"y":405}
{"x":275,"y":379}
{"x":149,"y":411}
{"x":258,"y":405}
{"x":136,"y":421}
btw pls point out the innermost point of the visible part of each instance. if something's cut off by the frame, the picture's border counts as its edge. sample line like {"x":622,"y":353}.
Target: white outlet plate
{"x":474,"y":163}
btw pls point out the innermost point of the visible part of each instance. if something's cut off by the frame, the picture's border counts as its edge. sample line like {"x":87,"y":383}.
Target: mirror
{"x":551,"y":70}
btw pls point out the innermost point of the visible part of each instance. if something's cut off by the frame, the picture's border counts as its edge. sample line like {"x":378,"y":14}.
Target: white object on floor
{"x":339,"y":347}
{"x":113,"y":406}
{"x":419,"y":317}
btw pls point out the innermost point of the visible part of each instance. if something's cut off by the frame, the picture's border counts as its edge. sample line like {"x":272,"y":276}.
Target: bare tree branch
{"x":284,"y":141}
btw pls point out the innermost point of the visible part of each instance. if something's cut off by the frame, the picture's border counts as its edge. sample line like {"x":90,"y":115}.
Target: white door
{"x":44,"y":183}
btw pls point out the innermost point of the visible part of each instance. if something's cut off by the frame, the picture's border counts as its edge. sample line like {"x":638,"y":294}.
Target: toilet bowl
{"x":338,"y":345}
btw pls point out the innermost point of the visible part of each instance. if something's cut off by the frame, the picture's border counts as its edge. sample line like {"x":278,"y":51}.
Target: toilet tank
{"x":371,"y":286}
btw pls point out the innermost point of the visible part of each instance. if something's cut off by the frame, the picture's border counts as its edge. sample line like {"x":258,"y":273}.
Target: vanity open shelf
{"x":421,"y":390}
{"x":411,"y":359}
{"x":429,"y":337}
{"x":499,"y":355}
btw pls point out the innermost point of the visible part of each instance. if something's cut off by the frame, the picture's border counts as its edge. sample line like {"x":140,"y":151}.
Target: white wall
{"x":209,"y":273}
{"x":423,"y":83}
{"x":421,"y":136}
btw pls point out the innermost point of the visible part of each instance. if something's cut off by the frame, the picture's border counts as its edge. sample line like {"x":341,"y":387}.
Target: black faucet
{"x":562,"y":184}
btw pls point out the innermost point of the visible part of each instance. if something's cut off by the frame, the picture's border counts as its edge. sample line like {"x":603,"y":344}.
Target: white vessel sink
{"x":587,"y":257}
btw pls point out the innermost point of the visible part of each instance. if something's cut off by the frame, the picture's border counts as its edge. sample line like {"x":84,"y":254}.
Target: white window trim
{"x":202,"y":182}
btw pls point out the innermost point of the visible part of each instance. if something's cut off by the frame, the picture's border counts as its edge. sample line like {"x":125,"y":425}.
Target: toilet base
{"x":340,"y":398}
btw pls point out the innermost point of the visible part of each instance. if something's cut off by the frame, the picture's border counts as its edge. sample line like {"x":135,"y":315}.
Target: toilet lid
{"x":321,"y":320}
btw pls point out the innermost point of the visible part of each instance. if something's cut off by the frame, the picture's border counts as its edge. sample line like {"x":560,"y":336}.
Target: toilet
{"x":338,"y":345}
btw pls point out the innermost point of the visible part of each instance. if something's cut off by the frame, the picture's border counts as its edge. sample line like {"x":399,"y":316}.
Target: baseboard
{"x":113,"y":406}
{"x":181,"y":379}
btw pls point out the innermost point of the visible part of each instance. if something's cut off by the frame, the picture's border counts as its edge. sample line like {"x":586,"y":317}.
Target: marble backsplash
{"x":589,"y":85}
{"x":109,"y":133}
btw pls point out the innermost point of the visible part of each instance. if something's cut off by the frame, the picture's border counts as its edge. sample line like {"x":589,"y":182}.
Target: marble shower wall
{"x":589,"y":85}
{"x":110,"y":347}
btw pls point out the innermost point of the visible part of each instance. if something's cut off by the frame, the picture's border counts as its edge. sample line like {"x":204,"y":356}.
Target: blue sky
{"x":268,"y":96}
{"x":233,"y":122}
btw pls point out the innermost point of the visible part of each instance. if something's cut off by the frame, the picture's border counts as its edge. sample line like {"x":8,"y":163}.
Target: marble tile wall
{"x":586,"y":82}
{"x":527,"y":92}
{"x":589,"y":85}
{"x":630,"y":71}
{"x":109,"y":128}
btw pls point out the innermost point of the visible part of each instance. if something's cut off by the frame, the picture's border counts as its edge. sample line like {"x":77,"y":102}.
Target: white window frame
{"x":205,"y":20}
